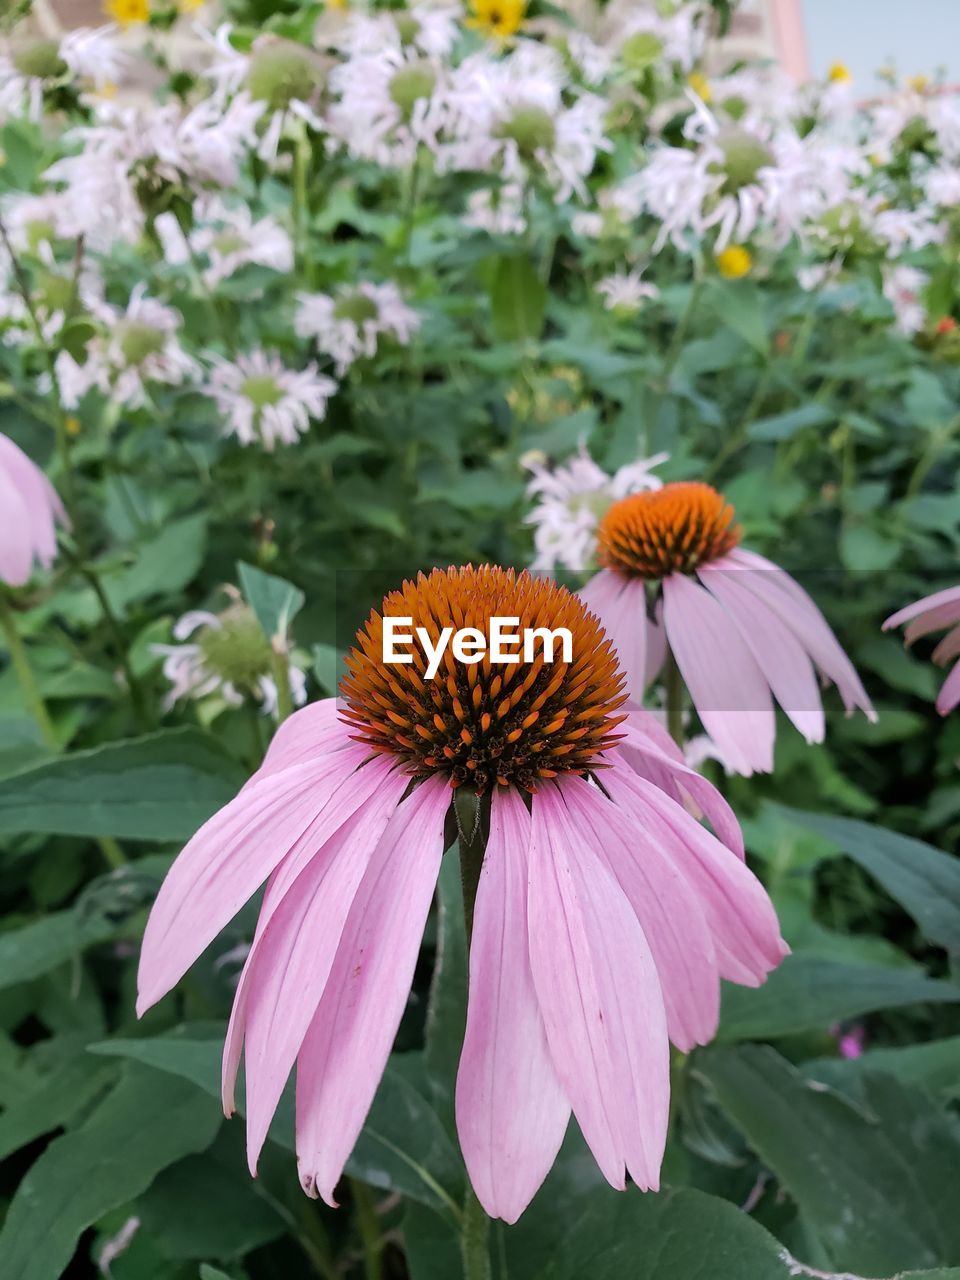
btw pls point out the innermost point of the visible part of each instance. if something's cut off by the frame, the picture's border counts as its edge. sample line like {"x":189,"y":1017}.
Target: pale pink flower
{"x":29,"y":513}
{"x":742,"y":631}
{"x":936,"y":613}
{"x":604,"y":917}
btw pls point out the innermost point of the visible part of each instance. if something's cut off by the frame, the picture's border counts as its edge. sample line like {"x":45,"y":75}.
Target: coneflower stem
{"x":368,"y":1226}
{"x":475,"y":1225}
{"x":281,"y":677}
{"x":21,"y":665}
{"x":673,"y":686}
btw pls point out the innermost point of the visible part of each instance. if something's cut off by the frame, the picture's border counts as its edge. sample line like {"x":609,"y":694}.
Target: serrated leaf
{"x":159,"y":787}
{"x":807,"y":993}
{"x":149,"y":1121}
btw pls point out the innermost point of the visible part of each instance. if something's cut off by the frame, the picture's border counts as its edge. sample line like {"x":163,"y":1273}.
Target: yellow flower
{"x":500,"y":18}
{"x":918,"y":83}
{"x":72,"y":426}
{"x":700,"y":85}
{"x":127,"y":12}
{"x":734,"y":262}
{"x":188,"y":6}
{"x":839,"y":73}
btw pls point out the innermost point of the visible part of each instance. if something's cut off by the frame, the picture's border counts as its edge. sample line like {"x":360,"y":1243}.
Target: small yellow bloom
{"x":127,"y":12}
{"x":72,"y":426}
{"x":700,"y":85}
{"x":919,"y":84}
{"x":188,"y":6}
{"x":839,"y":73}
{"x":500,"y":18}
{"x":108,"y":89}
{"x":337,"y":4}
{"x":734,"y":262}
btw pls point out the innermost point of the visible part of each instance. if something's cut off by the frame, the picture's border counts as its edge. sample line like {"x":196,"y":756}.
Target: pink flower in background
{"x":604,"y":918}
{"x":936,"y":613}
{"x":742,"y":631}
{"x":850,"y":1042}
{"x":29,"y":512}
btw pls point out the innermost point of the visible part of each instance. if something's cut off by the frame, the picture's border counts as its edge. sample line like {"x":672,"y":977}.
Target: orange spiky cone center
{"x":489,"y":723}
{"x":675,"y":529}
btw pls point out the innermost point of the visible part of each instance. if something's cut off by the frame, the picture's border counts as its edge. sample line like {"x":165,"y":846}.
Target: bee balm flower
{"x":741,"y":630}
{"x":29,"y":512}
{"x":604,"y":917}
{"x":935,"y":613}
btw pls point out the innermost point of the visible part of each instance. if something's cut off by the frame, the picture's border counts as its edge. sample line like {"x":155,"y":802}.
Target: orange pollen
{"x":488,"y":723}
{"x":671,"y":530}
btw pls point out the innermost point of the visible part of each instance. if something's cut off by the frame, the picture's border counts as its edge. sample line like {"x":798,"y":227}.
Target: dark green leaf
{"x":784,"y":426}
{"x":146,"y":1123}
{"x":934,"y":1067}
{"x":160,"y":787}
{"x":810,"y":994}
{"x":446,"y":1014}
{"x":923,"y":880}
{"x":518,"y":299}
{"x":877,"y":1185}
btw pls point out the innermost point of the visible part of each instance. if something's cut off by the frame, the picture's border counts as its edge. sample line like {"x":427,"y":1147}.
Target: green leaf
{"x":146,"y":1123}
{"x":934,"y":1066}
{"x":61,"y":1094}
{"x":877,"y":1186}
{"x":159,"y":787}
{"x":275,"y":601}
{"x":809,"y":994}
{"x":403,"y":1146}
{"x":205,"y":1207}
{"x":164,"y":565}
{"x":740,"y":306}
{"x":446,"y":1013}
{"x":518,"y":299}
{"x":784,"y":426}
{"x":862,"y":548}
{"x":328,"y":666}
{"x":923,"y":880}
{"x":42,"y":945}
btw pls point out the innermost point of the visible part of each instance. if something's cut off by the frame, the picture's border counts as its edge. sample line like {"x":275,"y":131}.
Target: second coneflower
{"x":605,"y":914}
{"x":741,"y":630}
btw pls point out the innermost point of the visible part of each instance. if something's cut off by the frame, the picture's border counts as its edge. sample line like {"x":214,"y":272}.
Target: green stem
{"x":21,"y":665}
{"x":673,"y":683}
{"x":301,"y":208}
{"x":679,"y":334}
{"x":475,"y":1225}
{"x":368,"y":1224}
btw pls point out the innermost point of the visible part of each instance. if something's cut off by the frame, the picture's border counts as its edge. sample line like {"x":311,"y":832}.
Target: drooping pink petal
{"x":512,"y":1112}
{"x":16,"y":544}
{"x":677,"y":780}
{"x":669,"y":913}
{"x":780,"y":656}
{"x":742,"y":921}
{"x":346,"y":1048}
{"x":599,"y":995}
{"x":787,"y":598}
{"x":948,"y":648}
{"x":621,"y":605}
{"x":949,"y":695}
{"x":228,"y":859}
{"x":302,"y":735}
{"x":945,"y":604}
{"x":728,"y":689}
{"x":290,"y":962}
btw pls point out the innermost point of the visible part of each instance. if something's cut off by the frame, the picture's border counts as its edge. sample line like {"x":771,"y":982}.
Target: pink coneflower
{"x":605,"y":913}
{"x":742,"y":631}
{"x":29,"y":512}
{"x":935,"y":613}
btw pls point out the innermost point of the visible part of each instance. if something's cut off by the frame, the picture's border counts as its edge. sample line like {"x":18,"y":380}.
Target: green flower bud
{"x":40,"y":59}
{"x":261,"y":390}
{"x":641,"y":51}
{"x":54,"y":292}
{"x":412,"y":82}
{"x":531,"y":128}
{"x":356,"y":307}
{"x":138,"y":341}
{"x":237,"y":650}
{"x":284,"y":71}
{"x":743,"y":158}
